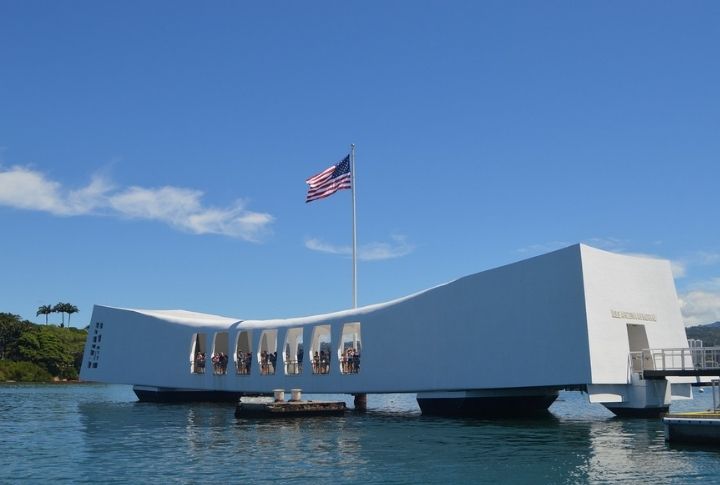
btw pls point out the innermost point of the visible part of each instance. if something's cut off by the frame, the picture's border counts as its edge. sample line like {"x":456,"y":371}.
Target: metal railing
{"x":636,"y":361}
{"x":242,"y":367}
{"x":293,"y":367}
{"x":683,"y":359}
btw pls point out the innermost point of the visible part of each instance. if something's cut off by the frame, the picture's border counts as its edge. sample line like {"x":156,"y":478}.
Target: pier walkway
{"x":660,"y":363}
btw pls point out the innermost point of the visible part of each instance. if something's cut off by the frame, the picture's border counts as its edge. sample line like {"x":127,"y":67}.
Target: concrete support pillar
{"x":360,"y":402}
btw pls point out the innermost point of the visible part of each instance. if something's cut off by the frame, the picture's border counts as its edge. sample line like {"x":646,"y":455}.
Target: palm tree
{"x":44,"y":310}
{"x":60,"y":308}
{"x":70,"y":309}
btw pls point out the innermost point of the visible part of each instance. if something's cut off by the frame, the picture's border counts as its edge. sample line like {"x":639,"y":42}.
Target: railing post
{"x":642,"y":362}
{"x":682,"y":359}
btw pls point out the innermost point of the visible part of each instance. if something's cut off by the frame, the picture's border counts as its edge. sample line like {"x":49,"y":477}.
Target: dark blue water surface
{"x":83,"y":433}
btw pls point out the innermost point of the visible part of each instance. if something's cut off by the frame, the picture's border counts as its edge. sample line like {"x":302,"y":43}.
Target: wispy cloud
{"x":693,"y":260}
{"x":712,"y":284}
{"x":678,"y":267}
{"x":703,"y":258}
{"x":534,"y":249}
{"x":375,"y":251}
{"x":181,"y":208}
{"x":607,"y":243}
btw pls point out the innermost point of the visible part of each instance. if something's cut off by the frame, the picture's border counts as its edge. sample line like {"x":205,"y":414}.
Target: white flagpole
{"x":354,"y":228}
{"x":360,"y":399}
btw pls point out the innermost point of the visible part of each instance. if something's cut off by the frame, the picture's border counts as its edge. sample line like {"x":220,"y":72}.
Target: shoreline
{"x":66,"y":381}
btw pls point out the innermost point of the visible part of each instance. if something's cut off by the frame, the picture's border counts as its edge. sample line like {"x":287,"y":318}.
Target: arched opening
{"x":243,"y":354}
{"x":267,"y":355}
{"x":320,"y":349}
{"x":350,"y":348}
{"x":294,"y":351}
{"x":220,"y":353}
{"x":198,"y":348}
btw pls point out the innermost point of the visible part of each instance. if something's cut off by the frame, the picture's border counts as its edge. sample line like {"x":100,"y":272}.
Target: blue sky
{"x":153,"y":154}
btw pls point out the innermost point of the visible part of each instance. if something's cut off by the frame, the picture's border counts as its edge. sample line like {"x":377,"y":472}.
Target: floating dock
{"x":279,"y":408}
{"x":699,"y":427}
{"x":289,"y":409}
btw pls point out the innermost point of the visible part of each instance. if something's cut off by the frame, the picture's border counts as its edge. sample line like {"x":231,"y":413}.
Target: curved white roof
{"x":185,"y":317}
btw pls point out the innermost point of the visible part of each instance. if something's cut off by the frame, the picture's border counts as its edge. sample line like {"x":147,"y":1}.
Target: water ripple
{"x":94,"y":433}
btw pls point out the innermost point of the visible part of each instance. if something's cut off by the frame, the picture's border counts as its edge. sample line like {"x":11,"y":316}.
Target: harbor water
{"x":82,"y":433}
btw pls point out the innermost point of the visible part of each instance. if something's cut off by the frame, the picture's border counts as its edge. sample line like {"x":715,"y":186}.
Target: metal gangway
{"x":692,"y":361}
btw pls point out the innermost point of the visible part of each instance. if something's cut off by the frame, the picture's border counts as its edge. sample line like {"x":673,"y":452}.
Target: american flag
{"x":330,"y":180}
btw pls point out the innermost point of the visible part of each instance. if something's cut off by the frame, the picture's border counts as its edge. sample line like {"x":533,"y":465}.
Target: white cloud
{"x":182,"y":208}
{"x":323,"y":247}
{"x":375,"y":251}
{"x":26,"y":189}
{"x":164,"y":204}
{"x":89,"y":198}
{"x":700,"y":306}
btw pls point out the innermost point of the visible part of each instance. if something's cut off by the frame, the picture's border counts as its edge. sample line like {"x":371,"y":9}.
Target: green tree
{"x":30,"y":352}
{"x":11,"y":328}
{"x":45,"y":310}
{"x":22,"y":372}
{"x":57,"y":350}
{"x":60,"y":308}
{"x":70,"y":309}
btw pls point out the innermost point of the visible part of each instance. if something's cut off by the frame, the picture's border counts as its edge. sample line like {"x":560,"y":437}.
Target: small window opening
{"x":350,"y":349}
{"x":294,"y":351}
{"x":320,"y":349}
{"x":197,"y":353}
{"x":268,"y":352}
{"x":243,"y":356}
{"x":220,"y":354}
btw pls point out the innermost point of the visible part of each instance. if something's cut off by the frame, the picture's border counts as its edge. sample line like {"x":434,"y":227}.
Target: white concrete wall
{"x":632,"y":285}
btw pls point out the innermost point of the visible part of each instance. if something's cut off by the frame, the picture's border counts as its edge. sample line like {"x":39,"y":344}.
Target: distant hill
{"x":709,"y":334}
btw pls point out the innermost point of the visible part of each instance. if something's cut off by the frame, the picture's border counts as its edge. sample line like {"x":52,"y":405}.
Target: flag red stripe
{"x":329,"y":188}
{"x":330,"y":180}
{"x":321,"y":177}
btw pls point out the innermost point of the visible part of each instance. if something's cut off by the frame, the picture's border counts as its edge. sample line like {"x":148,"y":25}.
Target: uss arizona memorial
{"x":505,"y":339}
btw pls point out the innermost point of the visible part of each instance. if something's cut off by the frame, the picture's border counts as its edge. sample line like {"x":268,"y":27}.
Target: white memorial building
{"x":505,"y":340}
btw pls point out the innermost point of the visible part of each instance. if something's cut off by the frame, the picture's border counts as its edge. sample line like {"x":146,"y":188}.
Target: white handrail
{"x":682,"y":359}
